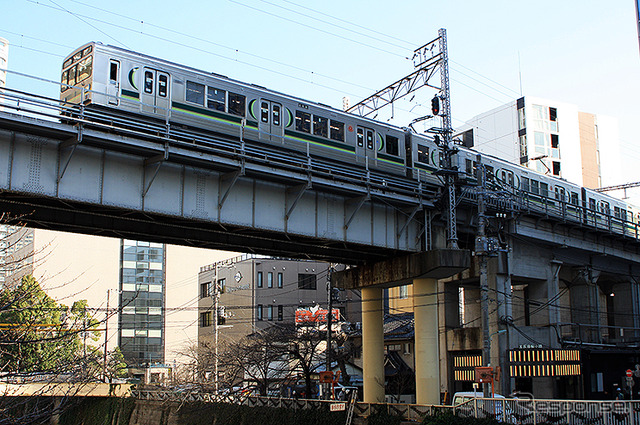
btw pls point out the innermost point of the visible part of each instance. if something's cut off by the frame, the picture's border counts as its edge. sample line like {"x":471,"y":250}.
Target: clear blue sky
{"x":575,"y":51}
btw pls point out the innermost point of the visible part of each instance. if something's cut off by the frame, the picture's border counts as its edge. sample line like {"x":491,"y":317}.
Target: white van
{"x":464,"y":404}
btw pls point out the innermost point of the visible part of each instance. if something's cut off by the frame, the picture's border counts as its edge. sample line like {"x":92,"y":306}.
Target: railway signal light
{"x":435,"y":105}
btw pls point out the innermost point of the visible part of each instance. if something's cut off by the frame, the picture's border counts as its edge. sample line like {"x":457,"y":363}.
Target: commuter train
{"x":103,"y":76}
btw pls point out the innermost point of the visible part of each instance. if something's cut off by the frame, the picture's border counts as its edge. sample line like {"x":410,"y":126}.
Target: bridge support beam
{"x":423,"y":269}
{"x":372,"y":345}
{"x":427,"y":360}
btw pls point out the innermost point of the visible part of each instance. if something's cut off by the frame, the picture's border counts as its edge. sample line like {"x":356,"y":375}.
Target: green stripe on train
{"x":302,"y":137}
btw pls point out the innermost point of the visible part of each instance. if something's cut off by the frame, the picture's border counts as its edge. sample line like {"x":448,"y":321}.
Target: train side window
{"x":489,"y":174}
{"x":148,"y":82}
{"x":237,"y":104}
{"x":524,"y":184}
{"x":215,"y":98}
{"x":369,"y":139}
{"x":320,"y":126}
{"x":337,"y":130}
{"x":163,"y":85}
{"x":303,"y":121}
{"x":360,"y":137}
{"x":592,"y":204}
{"x":544,"y":189}
{"x":617,"y":212}
{"x":391,"y":143}
{"x":535,"y":187}
{"x":574,"y":198}
{"x":468,"y":165}
{"x":113,"y":71}
{"x":423,"y":154}
{"x":276,"y":115}
{"x":195,"y":93}
{"x":264,"y":112}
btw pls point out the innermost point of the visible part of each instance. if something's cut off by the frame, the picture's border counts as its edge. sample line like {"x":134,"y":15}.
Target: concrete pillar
{"x":372,"y":345}
{"x":553,"y":290}
{"x":427,"y":367}
{"x":585,"y":304}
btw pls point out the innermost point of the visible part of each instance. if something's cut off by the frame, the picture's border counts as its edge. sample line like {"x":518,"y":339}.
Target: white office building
{"x":551,"y":137}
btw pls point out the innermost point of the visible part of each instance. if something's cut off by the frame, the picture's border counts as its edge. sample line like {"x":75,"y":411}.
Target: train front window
{"x":148,"y":82}
{"x":64,"y":81}
{"x":84,"y":68}
{"x":237,"y":104}
{"x":77,"y":56}
{"x":337,"y":131}
{"x":67,"y":63}
{"x":320,"y":126}
{"x":303,"y":121}
{"x":423,"y":154}
{"x":87,"y":51}
{"x":215,"y":98}
{"x":71,"y":80}
{"x":195,"y":93}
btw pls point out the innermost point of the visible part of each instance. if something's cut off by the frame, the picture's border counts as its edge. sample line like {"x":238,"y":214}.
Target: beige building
{"x":72,"y":267}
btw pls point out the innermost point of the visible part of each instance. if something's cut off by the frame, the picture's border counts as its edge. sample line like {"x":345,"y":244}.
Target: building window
{"x":270,"y":280}
{"x":204,"y":289}
{"x":205,"y":319}
{"x":280,"y":313}
{"x":306,"y":281}
{"x":403,"y":292}
{"x":221,"y":285}
{"x":280,"y":280}
{"x":259,"y":279}
{"x":259,"y":312}
{"x":269,"y":312}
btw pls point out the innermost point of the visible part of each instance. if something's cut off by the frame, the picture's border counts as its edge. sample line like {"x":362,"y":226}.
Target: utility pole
{"x":106,"y":333}
{"x":482,"y":252}
{"x":216,"y":296}
{"x":329,"y":323}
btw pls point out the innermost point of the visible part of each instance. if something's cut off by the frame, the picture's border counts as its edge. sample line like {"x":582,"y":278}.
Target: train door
{"x":365,"y":143}
{"x":270,"y":124}
{"x":113,"y":86}
{"x":155,"y":93}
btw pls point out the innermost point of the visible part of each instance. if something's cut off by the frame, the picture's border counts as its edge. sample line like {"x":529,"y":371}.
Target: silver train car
{"x":103,"y":76}
{"x":111,"y":77}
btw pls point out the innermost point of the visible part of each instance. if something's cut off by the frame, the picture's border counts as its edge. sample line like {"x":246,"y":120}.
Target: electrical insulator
{"x":435,"y":105}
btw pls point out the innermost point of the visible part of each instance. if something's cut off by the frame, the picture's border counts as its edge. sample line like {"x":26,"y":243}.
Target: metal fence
{"x":512,"y":411}
{"x":560,"y":412}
